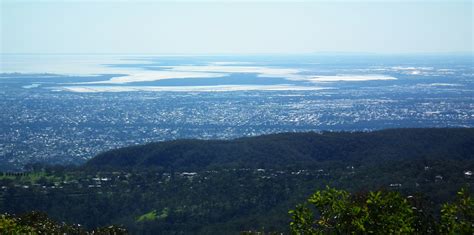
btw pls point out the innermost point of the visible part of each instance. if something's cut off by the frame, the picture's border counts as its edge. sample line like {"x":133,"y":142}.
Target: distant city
{"x":66,"y":115}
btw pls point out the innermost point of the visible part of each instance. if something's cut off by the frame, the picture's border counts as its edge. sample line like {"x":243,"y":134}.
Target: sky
{"x":236,"y":26}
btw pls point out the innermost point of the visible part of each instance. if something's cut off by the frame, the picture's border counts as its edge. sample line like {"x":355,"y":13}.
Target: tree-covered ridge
{"x":295,"y":149}
{"x":245,"y":184}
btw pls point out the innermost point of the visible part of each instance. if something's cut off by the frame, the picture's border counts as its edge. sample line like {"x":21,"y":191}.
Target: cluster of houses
{"x":24,"y":180}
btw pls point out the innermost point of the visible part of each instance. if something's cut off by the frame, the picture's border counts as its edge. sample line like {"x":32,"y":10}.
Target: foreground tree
{"x":380,"y":212}
{"x":458,"y":217}
{"x":339,"y":212}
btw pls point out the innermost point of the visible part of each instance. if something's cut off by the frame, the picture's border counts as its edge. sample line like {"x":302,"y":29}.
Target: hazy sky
{"x":238,"y":26}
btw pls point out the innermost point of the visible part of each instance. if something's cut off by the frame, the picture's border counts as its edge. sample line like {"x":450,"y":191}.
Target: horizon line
{"x":248,"y":54}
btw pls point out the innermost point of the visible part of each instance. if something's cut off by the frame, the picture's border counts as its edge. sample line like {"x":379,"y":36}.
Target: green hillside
{"x":230,"y":186}
{"x":295,"y":149}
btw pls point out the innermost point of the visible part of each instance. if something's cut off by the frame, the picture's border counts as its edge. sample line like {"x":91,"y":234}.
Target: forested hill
{"x":230,"y":186}
{"x":295,"y":150}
